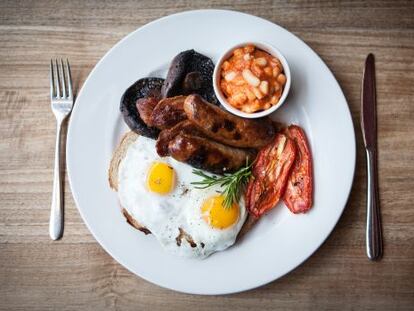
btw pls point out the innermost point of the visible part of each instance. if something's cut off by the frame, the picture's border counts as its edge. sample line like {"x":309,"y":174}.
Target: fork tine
{"x":63,"y":78}
{"x":52,"y":87}
{"x":57,"y":79}
{"x":69,"y":79}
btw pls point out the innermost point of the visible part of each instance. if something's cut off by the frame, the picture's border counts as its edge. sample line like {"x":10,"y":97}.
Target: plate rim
{"x":70,"y":139}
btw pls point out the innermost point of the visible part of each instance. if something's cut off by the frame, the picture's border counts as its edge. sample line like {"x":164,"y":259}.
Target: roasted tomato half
{"x":299,"y":189}
{"x":269,"y":175}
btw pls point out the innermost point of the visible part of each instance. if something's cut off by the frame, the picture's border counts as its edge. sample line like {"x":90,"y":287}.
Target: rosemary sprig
{"x":233,"y":183}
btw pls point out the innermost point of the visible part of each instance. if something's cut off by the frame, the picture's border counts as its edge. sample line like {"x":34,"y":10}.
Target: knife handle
{"x":374,"y":234}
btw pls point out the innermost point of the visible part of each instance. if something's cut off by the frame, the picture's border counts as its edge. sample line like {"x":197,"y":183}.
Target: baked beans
{"x":251,"y":79}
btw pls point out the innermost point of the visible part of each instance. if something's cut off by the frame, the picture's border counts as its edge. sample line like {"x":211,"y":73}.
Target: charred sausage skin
{"x":206,"y":154}
{"x":226,"y":128}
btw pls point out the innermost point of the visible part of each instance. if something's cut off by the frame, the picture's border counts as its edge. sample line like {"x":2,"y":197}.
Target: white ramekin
{"x":217,"y":72}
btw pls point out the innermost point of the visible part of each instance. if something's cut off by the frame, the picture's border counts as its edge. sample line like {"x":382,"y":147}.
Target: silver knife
{"x":369,"y":133}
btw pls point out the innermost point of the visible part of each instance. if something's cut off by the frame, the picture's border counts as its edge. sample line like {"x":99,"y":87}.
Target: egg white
{"x":163,"y":215}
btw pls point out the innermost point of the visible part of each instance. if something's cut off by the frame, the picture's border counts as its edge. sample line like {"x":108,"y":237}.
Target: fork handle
{"x":373,"y":234}
{"x":56,"y":212}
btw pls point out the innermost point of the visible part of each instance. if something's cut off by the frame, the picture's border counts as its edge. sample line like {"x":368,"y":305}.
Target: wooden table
{"x":76,"y":273}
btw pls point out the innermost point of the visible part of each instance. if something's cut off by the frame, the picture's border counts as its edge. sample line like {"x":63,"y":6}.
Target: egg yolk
{"x":160,"y":178}
{"x":218,"y":216}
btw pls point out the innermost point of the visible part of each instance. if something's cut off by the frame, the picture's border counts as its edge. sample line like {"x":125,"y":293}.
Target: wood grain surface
{"x":76,"y":273}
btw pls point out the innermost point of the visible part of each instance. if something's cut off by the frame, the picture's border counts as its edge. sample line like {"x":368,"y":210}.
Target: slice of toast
{"x":118,"y":155}
{"x":134,"y":223}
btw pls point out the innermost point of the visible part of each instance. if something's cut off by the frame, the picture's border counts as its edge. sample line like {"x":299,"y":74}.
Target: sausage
{"x":226,"y":128}
{"x":168,"y":112}
{"x":205,"y":154}
{"x":145,"y":106}
{"x":165,"y":136}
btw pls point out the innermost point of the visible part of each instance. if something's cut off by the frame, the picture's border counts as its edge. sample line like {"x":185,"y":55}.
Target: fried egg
{"x":158,"y":193}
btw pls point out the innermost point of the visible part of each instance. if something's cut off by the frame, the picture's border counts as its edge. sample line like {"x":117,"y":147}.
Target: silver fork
{"x":61,"y":98}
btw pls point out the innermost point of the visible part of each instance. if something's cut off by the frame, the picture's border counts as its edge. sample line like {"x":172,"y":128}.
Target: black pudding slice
{"x":143,"y":88}
{"x":190,"y":72}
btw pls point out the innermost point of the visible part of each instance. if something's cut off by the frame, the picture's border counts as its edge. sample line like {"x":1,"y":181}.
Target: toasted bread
{"x":134,"y":223}
{"x":117,"y":157}
{"x":247,"y":226}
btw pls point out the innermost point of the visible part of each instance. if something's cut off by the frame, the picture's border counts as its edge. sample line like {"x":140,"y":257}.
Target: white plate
{"x":281,"y":241}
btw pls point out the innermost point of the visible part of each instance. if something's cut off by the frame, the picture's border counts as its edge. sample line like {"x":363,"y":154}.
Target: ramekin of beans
{"x":252,"y":80}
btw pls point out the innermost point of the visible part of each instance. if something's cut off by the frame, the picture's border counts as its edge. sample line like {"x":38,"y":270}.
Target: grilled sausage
{"x":203,"y":153}
{"x":226,"y":128}
{"x":145,"y":106}
{"x":184,"y":127}
{"x":168,"y":112}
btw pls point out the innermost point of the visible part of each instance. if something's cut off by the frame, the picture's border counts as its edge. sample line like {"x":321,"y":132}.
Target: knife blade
{"x":374,"y":245}
{"x":369,"y":119}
